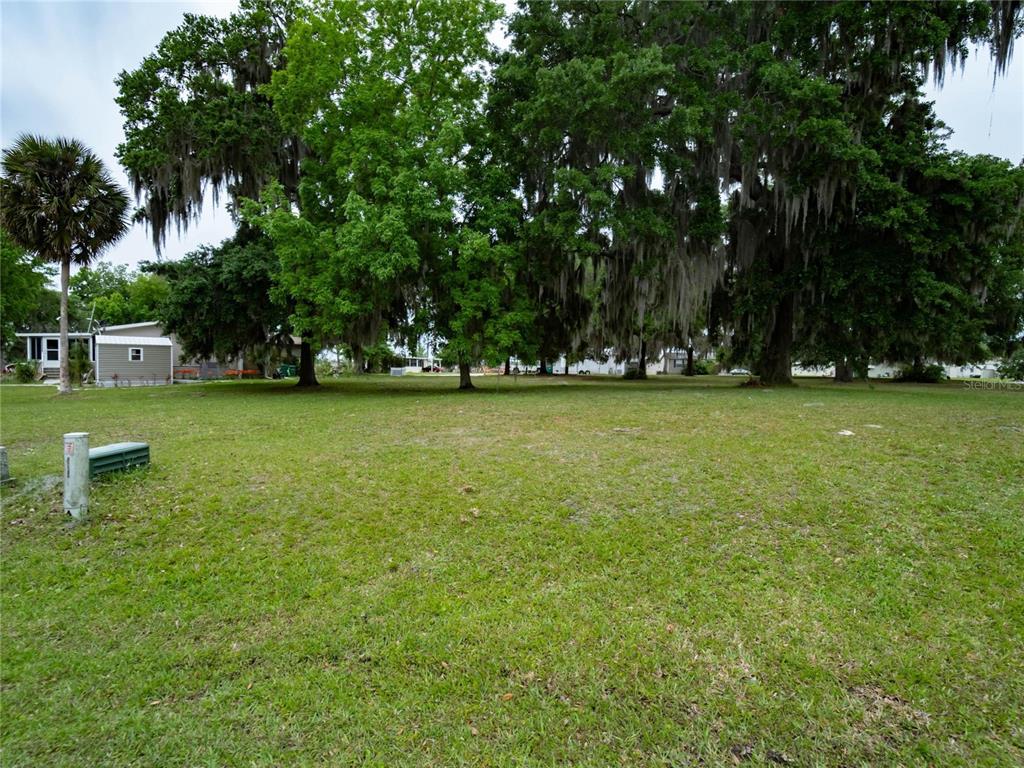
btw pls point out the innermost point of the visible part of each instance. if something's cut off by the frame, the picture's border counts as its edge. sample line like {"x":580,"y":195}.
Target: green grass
{"x":587,"y":572}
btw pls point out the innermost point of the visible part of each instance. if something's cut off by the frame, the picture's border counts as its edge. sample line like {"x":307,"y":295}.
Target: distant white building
{"x":989,"y":370}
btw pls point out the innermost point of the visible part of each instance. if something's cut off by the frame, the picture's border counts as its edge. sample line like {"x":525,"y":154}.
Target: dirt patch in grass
{"x":889,"y":720}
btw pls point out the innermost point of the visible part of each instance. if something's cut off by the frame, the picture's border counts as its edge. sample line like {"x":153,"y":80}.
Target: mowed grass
{"x":569,"y":572}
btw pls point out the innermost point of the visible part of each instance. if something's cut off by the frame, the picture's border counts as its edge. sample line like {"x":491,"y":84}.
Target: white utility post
{"x":76,"y":474}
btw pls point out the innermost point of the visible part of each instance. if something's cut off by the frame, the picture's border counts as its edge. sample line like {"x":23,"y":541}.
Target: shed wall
{"x":155,"y":367}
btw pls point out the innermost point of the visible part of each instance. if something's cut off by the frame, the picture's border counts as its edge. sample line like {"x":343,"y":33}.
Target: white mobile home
{"x":133,"y":360}
{"x":43,"y":349}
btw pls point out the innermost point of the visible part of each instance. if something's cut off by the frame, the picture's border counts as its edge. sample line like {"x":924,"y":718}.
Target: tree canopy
{"x":116,"y":295}
{"x":622,"y":178}
{"x":217,"y":304}
{"x":23,"y":290}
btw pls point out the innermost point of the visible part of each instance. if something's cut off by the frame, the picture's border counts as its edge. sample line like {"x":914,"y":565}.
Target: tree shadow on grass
{"x":383,"y":386}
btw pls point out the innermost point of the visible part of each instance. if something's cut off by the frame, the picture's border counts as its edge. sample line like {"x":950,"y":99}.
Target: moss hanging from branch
{"x":197,"y":120}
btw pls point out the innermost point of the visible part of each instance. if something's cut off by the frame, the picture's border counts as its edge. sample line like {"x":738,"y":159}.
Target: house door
{"x":52,"y":350}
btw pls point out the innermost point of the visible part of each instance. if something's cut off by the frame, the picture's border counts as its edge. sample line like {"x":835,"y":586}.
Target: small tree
{"x":23,"y":279}
{"x":61,"y":203}
{"x":1013,"y":366}
{"x":219,"y":301}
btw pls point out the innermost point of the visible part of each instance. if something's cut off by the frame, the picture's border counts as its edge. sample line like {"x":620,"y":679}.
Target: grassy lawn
{"x":579,"y":572}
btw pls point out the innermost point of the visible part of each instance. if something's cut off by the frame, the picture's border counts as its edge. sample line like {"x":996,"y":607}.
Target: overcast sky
{"x":59,"y":61}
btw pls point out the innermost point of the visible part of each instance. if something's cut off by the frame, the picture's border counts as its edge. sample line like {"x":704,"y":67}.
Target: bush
{"x":1013,"y":366}
{"x":380,"y":358}
{"x":25,"y":371}
{"x":703,"y":367}
{"x":923,"y":374}
{"x":323,"y":369}
{"x":633,"y":372}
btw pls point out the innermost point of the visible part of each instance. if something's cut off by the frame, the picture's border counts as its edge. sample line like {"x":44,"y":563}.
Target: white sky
{"x":59,"y":61}
{"x":57,"y":69}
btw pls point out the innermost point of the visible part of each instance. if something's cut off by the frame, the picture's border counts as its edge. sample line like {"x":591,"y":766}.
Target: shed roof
{"x":126,"y":326}
{"x":135,"y":341}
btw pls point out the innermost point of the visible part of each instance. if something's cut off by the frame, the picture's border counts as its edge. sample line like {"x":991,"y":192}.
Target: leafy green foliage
{"x":114,"y":295}
{"x":396,"y":228}
{"x":932,"y":265}
{"x":605,"y":98}
{"x":25,"y":371}
{"x":217,"y":304}
{"x":1013,"y":366}
{"x":23,"y":288}
{"x":196,"y":118}
{"x":818,"y":79}
{"x":567,"y":196}
{"x":921,"y":373}
{"x":59,"y":201}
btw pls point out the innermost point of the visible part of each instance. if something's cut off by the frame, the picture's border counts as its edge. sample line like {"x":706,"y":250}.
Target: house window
{"x":135,"y":354}
{"x":52,"y":350}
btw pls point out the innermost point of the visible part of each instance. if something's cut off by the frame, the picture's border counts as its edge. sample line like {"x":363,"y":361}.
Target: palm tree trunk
{"x":65,"y":279}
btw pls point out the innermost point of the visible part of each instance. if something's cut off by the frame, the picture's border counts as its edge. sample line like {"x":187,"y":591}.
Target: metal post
{"x":76,"y":474}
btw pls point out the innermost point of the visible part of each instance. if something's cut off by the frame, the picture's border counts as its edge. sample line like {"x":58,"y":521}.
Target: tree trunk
{"x":542,"y":370}
{"x":861,"y":366}
{"x":689,"y":361}
{"x":358,"y":363}
{"x":65,"y":372}
{"x":776,"y":365}
{"x":465,"y":382}
{"x":508,"y":366}
{"x":307,"y":371}
{"x":844,"y":370}
{"x":641,"y":369}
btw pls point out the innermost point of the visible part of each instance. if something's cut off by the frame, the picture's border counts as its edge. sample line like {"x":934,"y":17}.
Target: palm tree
{"x":58,"y":200}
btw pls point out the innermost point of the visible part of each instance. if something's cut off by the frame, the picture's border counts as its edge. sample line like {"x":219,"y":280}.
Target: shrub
{"x":1013,"y":366}
{"x":633,"y":372}
{"x":380,"y":358}
{"x":703,"y":367}
{"x":24,"y":371}
{"x":323,"y":369}
{"x":923,"y":374}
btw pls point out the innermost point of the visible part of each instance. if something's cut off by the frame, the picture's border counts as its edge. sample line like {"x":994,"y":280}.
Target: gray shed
{"x":133,"y":360}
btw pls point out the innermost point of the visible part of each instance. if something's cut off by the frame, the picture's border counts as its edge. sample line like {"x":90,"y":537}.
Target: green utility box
{"x":287,"y":370}
{"x":117,"y":456}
